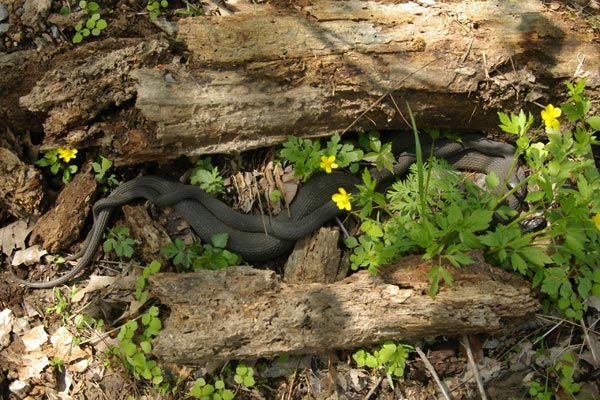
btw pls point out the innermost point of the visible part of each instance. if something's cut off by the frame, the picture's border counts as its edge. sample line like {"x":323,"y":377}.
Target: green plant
{"x":154,"y":7}
{"x":52,"y":159}
{"x":275,"y":196}
{"x":391,"y":357}
{"x":86,"y":321}
{"x":207,"y":177}
{"x":379,"y":153}
{"x":444,"y":216}
{"x":94,"y":25}
{"x":201,"y":389}
{"x":205,"y":391}
{"x":57,"y":362}
{"x":118,"y":239}
{"x":539,"y":391}
{"x":152,"y":268}
{"x":559,"y":381}
{"x":198,"y":255}
{"x":191,"y":10}
{"x":566,"y":370}
{"x":134,"y":346}
{"x":244,"y":375}
{"x":101,"y":167}
{"x":307,"y":156}
{"x":62,"y":305}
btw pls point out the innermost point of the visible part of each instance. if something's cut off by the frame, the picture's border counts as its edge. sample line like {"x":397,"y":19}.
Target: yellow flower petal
{"x":67,"y":154}
{"x":596,"y":221}
{"x":328,"y":163}
{"x":550,"y":116}
{"x":342,"y":199}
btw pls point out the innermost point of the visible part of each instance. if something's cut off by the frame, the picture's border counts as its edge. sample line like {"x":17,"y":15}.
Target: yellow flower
{"x":67,"y":154}
{"x":596,"y":220}
{"x":550,"y":116}
{"x":328,"y":163}
{"x":342,"y":199}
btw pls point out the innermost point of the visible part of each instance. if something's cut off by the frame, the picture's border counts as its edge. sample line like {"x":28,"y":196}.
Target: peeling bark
{"x":245,"y":313}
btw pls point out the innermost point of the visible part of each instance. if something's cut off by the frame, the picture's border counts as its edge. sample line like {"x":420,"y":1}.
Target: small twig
{"x":592,"y":348}
{"x":485,"y":65}
{"x":342,"y":228}
{"x":434,"y":374}
{"x":385,"y":94}
{"x":473,"y":365}
{"x":372,"y":391}
{"x":291,"y":384}
{"x":468,"y":51}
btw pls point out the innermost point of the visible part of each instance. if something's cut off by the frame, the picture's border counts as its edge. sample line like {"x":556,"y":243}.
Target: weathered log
{"x":60,"y":226}
{"x":258,"y":77}
{"x":245,"y":313}
{"x":253,"y":77}
{"x":317,"y":258}
{"x":20,"y":185}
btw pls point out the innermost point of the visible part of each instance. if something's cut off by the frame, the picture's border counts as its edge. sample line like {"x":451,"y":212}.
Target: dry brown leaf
{"x":7,"y":319}
{"x":97,"y":282}
{"x":13,"y":235}
{"x":35,"y":338}
{"x":29,"y":256}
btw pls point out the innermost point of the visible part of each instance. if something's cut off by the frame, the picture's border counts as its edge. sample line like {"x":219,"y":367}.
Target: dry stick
{"x":434,"y":374}
{"x":362,"y":114}
{"x":473,"y":365}
{"x":368,"y":396}
{"x":586,"y":336}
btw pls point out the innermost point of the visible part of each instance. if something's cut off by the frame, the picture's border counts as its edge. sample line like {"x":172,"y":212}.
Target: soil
{"x":507,"y":363}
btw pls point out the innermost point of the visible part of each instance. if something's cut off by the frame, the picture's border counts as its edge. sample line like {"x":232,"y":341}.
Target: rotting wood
{"x":251,"y":78}
{"x":91,"y":80}
{"x":317,"y":258}
{"x":147,"y":231}
{"x":325,"y":64}
{"x":245,"y":313}
{"x":61,"y":226}
{"x":21,"y":190}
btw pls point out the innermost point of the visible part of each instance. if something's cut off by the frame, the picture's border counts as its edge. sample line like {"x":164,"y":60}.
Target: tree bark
{"x":251,"y":78}
{"x":245,"y":313}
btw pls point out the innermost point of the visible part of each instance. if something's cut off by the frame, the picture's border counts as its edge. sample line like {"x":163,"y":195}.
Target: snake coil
{"x":260,"y":238}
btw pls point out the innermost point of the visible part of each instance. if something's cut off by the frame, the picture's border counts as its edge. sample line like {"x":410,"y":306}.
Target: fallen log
{"x":249,"y":79}
{"x":246,"y":313}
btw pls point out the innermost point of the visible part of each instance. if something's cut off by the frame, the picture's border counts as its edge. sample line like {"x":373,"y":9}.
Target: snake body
{"x":260,"y":238}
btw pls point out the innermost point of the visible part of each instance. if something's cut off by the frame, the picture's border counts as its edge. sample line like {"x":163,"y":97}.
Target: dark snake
{"x":261,"y":238}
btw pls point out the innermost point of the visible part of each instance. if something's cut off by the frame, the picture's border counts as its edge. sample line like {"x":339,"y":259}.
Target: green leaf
{"x":518,"y":263}
{"x":129,"y":348}
{"x":219,"y":240}
{"x":146,"y":347}
{"x":371,"y":361}
{"x":372,"y":229}
{"x":154,"y":267}
{"x":594,"y":122}
{"x":227,"y":394}
{"x":534,"y":197}
{"x":90,"y":23}
{"x":249,"y":381}
{"x":491,"y":180}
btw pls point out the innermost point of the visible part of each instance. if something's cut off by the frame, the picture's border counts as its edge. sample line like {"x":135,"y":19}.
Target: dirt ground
{"x":48,"y":351}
